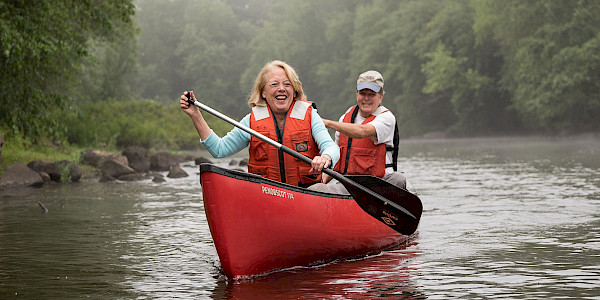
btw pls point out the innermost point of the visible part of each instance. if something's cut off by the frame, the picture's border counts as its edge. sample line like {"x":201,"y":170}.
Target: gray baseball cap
{"x":370,"y":80}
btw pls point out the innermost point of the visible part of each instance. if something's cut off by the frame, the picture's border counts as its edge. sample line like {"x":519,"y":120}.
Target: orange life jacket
{"x":271,"y":162}
{"x":363,"y":156}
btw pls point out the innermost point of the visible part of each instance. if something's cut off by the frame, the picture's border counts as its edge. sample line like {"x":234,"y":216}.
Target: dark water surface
{"x":515,"y":218}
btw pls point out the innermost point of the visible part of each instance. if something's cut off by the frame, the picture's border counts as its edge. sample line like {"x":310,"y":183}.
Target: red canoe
{"x":260,"y":225}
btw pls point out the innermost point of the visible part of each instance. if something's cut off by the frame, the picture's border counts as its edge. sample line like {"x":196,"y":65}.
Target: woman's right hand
{"x":203,"y":129}
{"x":185,"y":105}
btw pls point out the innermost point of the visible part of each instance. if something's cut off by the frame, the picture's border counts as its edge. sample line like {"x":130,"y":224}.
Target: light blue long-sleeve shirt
{"x":237,"y":139}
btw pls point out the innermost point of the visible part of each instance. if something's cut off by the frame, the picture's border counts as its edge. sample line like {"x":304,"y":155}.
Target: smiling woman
{"x":279,"y":109}
{"x":278,"y":94}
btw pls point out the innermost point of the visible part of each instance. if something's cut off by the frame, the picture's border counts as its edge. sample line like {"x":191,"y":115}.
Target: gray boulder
{"x":45,"y":177}
{"x":201,"y":160}
{"x":106,"y":178}
{"x":138,"y":157}
{"x":96,"y":158}
{"x":163,"y":161}
{"x":19,"y":175}
{"x":177,"y":172}
{"x":114,"y":169}
{"x":59,"y":171}
{"x":158,"y":178}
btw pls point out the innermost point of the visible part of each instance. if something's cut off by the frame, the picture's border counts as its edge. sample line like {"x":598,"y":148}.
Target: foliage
{"x":41,"y":45}
{"x":118,"y":124}
{"x":72,"y":70}
{"x":462,"y":73}
{"x":24,"y":150}
{"x":196,"y":45}
{"x":551,"y":60}
{"x":161,"y":31}
{"x":107,"y":73}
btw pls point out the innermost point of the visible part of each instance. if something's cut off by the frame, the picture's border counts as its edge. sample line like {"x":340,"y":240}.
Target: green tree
{"x":197,"y":45}
{"x":464,"y":73}
{"x":161,"y":30}
{"x":42,"y":44}
{"x":551,"y":59}
{"x":107,"y":73}
{"x":335,"y":83}
{"x":214,"y":54}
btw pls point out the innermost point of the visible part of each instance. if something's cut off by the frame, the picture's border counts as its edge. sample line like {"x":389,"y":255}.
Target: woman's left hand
{"x":320,"y":162}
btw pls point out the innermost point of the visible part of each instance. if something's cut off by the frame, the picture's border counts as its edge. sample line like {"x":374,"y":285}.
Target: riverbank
{"x":21,"y":152}
{"x":132,"y":164}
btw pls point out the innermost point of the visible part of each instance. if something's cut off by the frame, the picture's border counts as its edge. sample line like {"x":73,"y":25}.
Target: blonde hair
{"x":256,"y":98}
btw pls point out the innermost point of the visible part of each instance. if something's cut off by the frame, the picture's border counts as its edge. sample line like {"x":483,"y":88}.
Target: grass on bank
{"x":20,"y":150}
{"x":110,"y":126}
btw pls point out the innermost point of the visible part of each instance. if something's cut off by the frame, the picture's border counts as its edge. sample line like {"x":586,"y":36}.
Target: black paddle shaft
{"x":391,"y":213}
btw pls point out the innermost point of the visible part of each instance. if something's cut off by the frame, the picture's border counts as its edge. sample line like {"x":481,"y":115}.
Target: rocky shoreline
{"x":134,"y":163}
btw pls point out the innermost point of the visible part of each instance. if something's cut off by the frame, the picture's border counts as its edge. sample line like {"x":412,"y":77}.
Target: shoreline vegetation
{"x":139,"y":163}
{"x":108,"y":126}
{"x":132,"y":164}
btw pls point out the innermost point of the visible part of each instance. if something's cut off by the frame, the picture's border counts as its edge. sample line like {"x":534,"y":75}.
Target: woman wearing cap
{"x":280,"y":111}
{"x":367,"y":135}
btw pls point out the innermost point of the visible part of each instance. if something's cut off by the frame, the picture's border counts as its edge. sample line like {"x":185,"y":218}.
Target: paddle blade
{"x":389,"y":215}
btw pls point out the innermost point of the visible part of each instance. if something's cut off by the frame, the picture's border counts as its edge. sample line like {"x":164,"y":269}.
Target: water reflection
{"x":69,"y":251}
{"x":388,"y":275}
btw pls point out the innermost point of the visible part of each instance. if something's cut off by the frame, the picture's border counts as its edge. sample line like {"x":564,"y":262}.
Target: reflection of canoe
{"x":370,"y":278}
{"x":260,"y":225}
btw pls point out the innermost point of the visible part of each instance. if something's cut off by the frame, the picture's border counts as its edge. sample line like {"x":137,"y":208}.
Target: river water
{"x":515,"y":218}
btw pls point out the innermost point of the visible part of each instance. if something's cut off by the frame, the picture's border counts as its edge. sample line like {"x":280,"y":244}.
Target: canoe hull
{"x":259,"y":225}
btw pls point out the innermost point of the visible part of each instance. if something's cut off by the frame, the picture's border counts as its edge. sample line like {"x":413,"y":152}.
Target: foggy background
{"x":456,"y":68}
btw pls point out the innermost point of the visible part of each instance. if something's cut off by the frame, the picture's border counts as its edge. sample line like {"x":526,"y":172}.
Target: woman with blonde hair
{"x":279,"y":110}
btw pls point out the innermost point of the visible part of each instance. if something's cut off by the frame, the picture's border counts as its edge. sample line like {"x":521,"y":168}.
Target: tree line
{"x":464,"y":67}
